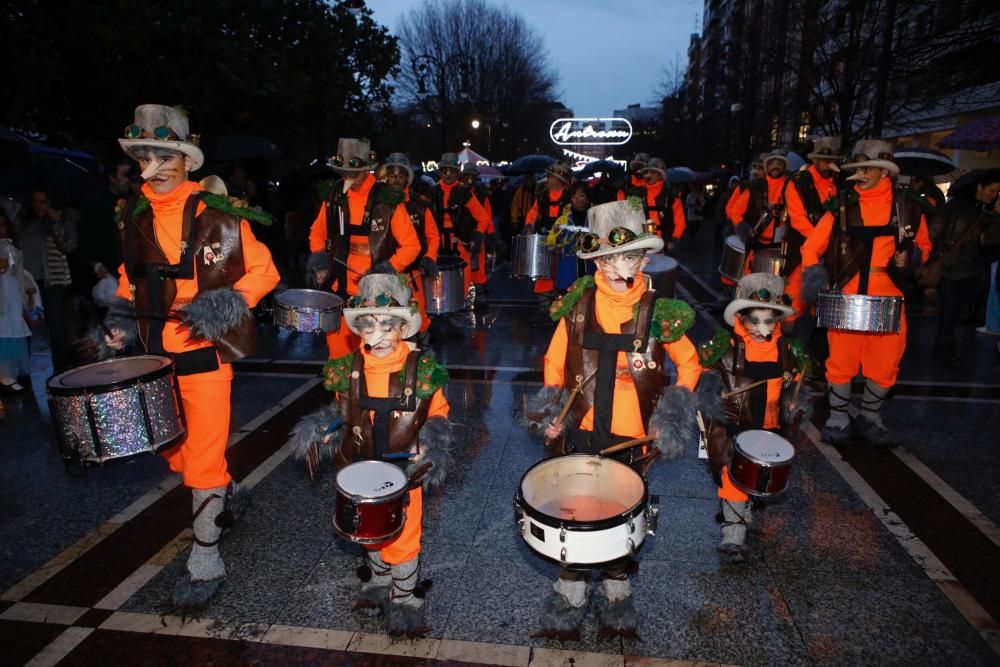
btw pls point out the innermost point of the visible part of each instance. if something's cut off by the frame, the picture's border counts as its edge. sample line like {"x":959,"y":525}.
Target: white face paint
{"x":382,"y":333}
{"x":617,"y":269}
{"x":759,"y":322}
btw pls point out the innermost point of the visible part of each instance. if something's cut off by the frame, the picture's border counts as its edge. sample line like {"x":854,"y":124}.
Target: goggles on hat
{"x":590,"y":242}
{"x":353,"y":163}
{"x":765,"y":296}
{"x":383,"y":300}
{"x":161,"y":133}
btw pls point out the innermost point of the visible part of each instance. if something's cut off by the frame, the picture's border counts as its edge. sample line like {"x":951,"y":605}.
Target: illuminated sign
{"x":591,"y":131}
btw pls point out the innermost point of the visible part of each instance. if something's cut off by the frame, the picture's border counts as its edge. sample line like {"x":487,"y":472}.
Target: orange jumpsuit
{"x":479,"y":277}
{"x":447,"y":224}
{"x":614,"y":309}
{"x":342,"y":341}
{"x":738,"y":207}
{"x":545,"y":285}
{"x":433,"y":238}
{"x":677,"y":208}
{"x":201,"y":456}
{"x":798,"y":217}
{"x":406,"y":547}
{"x":877,"y":356}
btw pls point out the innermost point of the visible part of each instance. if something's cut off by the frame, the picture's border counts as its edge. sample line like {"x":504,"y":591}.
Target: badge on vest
{"x":377,"y":225}
{"x":637,"y":362}
{"x":212,"y":254}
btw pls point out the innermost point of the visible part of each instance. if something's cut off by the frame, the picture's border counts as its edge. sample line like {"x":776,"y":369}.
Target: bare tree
{"x":465,"y":58}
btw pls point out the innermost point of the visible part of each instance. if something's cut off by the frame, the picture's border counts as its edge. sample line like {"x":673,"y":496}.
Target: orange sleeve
{"x":488,"y":207}
{"x":818,"y":240}
{"x":680,"y":219}
{"x":439,"y":405}
{"x":478,"y":213}
{"x":124,"y":286}
{"x":317,"y":233}
{"x":407,"y":241}
{"x":923,"y":240}
{"x":432,"y":234}
{"x":261,"y":274}
{"x":797,"y":213}
{"x":555,"y":357}
{"x":532,"y":214}
{"x":738,"y":206}
{"x":685,"y":357}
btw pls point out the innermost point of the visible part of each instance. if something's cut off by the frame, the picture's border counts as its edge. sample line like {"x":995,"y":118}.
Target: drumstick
{"x":572,"y":397}
{"x":727,"y":394}
{"x":798,"y":386}
{"x":419,"y":473}
{"x":627,"y":444}
{"x":344,"y":264}
{"x":392,"y":456}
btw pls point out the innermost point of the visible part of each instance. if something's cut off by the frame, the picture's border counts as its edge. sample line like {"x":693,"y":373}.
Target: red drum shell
{"x":758,"y":478}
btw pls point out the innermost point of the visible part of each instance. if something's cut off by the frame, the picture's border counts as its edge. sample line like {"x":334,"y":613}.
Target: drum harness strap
{"x":347,"y":230}
{"x":776,"y":212}
{"x":382,"y":407}
{"x":758,"y":370}
{"x":457,"y":201}
{"x":866,"y":235}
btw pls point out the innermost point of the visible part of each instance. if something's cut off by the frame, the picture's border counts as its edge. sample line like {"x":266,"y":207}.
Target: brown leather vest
{"x":417,"y":212}
{"x":376,"y":224}
{"x":461,"y":216}
{"x":757,"y":206}
{"x":153,"y":278}
{"x":646,"y":357}
{"x":850,"y":246}
{"x":398,"y":417}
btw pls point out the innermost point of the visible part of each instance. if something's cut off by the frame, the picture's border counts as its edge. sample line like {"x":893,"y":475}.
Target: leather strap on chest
{"x":374,"y":415}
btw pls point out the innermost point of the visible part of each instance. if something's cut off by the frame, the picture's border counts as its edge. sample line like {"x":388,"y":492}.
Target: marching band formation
{"x":623,"y":384}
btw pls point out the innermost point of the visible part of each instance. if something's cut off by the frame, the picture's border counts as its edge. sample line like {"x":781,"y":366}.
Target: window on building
{"x":804,"y":123}
{"x":774,"y":129}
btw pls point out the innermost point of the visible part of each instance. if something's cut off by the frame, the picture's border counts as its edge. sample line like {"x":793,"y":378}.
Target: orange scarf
{"x":615,"y":308}
{"x":775,"y":186}
{"x":168,"y":216}
{"x":378,"y":370}
{"x":876,"y":203}
{"x":758,"y":350}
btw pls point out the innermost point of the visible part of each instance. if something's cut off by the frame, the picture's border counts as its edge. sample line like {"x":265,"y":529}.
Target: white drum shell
{"x":859,"y":312}
{"x":585,"y":547}
{"x":734,"y":255}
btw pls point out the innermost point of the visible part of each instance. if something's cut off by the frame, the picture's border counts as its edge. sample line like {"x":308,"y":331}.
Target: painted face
{"x":449,"y":175}
{"x":868,"y":177}
{"x":619,"y":268}
{"x":825,"y":167}
{"x":396,"y":177}
{"x":652,"y":177}
{"x":165,"y":172}
{"x":382,"y":332}
{"x":757,"y":171}
{"x":775,"y":168}
{"x":759,"y":322}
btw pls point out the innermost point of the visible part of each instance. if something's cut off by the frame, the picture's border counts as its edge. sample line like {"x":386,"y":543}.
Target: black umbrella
{"x":530,"y":164}
{"x":239,"y":147}
{"x":602,"y":166}
{"x":67,"y":174}
{"x":926,"y":162}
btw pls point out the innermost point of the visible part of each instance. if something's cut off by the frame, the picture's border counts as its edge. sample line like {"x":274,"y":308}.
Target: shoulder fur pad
{"x":564,"y":305}
{"x":141,"y":206}
{"x":671,"y":320}
{"x":337,"y":373}
{"x":712,"y":350}
{"x":431,"y":376}
{"x":236,"y":207}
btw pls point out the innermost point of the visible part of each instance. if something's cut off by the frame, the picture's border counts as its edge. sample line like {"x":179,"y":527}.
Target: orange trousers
{"x":729,"y":491}
{"x":793,"y":288}
{"x":876,"y":356}
{"x":406,"y":547}
{"x":417,"y":285}
{"x":201,"y":456}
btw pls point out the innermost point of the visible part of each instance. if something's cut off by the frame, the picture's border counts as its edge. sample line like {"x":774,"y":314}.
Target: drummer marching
{"x":606,"y":382}
{"x":388,"y":406}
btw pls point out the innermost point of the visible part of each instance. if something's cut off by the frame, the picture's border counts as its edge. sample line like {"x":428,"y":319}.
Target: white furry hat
{"x":626,"y":214}
{"x":759,"y":290}
{"x":354,"y":156}
{"x":383,"y":294}
{"x":401,"y":161}
{"x":826,"y":148}
{"x":776,"y":154}
{"x":872,"y":153}
{"x":657,"y":165}
{"x":160,"y":126}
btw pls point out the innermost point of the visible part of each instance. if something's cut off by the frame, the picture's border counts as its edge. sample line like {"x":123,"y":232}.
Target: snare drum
{"x":766,"y":260}
{"x":532,"y":258}
{"x":370,"y":507}
{"x":761,"y":462}
{"x":734,"y":255}
{"x":116,"y":408}
{"x":859,"y":312}
{"x":584,"y":511}
{"x":446,"y":292}
{"x":307,"y":310}
{"x":662,"y":273}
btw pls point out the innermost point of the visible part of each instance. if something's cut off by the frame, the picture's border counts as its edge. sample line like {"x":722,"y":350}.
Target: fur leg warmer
{"x":736,"y":518}
{"x":562,"y":616}
{"x":673,"y":422}
{"x":404,"y":615}
{"x":236,"y":503}
{"x":214,"y":313}
{"x":306,"y":438}
{"x":205,"y":569}
{"x":541,"y":409}
{"x":376,"y":582}
{"x":436,"y":438}
{"x":868,"y":426}
{"x":837,"y":429}
{"x":815,"y":279}
{"x":616,"y":614}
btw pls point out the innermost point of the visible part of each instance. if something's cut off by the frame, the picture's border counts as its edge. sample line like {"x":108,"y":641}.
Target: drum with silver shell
{"x":370,"y":507}
{"x":532,"y":258}
{"x":117,"y":408}
{"x":662,"y":273}
{"x":445,"y":293}
{"x":859,"y":312}
{"x":734,"y":255}
{"x":307,"y":310}
{"x":584,"y":511}
{"x":766,"y":260}
{"x":761,"y":462}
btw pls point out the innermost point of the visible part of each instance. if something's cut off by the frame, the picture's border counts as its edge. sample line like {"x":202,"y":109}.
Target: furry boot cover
{"x":616,"y":613}
{"x":815,"y":279}
{"x":376,"y":580}
{"x":205,"y":569}
{"x":541,"y":409}
{"x":562,"y":616}
{"x":837,"y":429}
{"x":436,"y":439}
{"x":237,"y":501}
{"x":214,"y":313}
{"x":404,"y":614}
{"x":868,"y":426}
{"x":736,"y":518}
{"x":673,"y":422}
{"x":306,"y":438}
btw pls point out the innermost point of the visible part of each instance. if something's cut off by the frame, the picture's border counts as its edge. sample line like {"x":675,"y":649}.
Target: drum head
{"x":736,"y":243}
{"x":582,"y":488}
{"x":309,"y":298}
{"x":110,"y":372}
{"x":659,"y":264}
{"x":764,"y":447}
{"x":371,"y":479}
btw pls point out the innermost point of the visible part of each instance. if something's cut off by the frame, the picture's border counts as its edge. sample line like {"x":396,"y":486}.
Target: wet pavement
{"x":870,"y":557}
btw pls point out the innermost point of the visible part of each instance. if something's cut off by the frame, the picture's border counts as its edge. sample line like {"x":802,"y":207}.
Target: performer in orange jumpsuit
{"x":549,"y":204}
{"x":661,"y":205}
{"x":390,"y":403}
{"x":361,"y":227}
{"x":192,"y":271}
{"x":758,"y":213}
{"x":612,"y":323}
{"x":874,"y":234}
{"x":470,"y":174}
{"x":804,"y":199}
{"x":634,"y":178}
{"x":399,"y":175}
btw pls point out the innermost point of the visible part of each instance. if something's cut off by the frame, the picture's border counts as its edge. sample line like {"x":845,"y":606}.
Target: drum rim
{"x":864,"y":297}
{"x":454,"y":261}
{"x":127,"y":457}
{"x":582,"y":526}
{"x":750,"y":457}
{"x":326,"y":309}
{"x":146,"y":378}
{"x":378,"y":500}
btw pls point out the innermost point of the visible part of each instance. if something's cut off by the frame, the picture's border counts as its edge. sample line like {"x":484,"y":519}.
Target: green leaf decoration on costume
{"x":926,"y":207}
{"x":712,"y":350}
{"x":565,"y":304}
{"x":850,"y":198}
{"x":431,"y":376}
{"x":337,"y":373}
{"x":237,"y":207}
{"x":635,"y":200}
{"x":141,"y":206}
{"x":802,"y":360}
{"x":388,"y":195}
{"x":553,"y":237}
{"x":671,"y":320}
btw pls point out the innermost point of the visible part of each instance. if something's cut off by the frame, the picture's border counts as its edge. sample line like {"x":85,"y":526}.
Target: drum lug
{"x":562,"y":535}
{"x":562,"y":554}
{"x":630,"y":545}
{"x":631,"y":526}
{"x":518,"y":515}
{"x":652,"y":520}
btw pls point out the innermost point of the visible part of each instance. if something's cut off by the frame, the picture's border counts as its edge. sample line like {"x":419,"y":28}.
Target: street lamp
{"x":426,"y":65}
{"x":476,"y":124}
